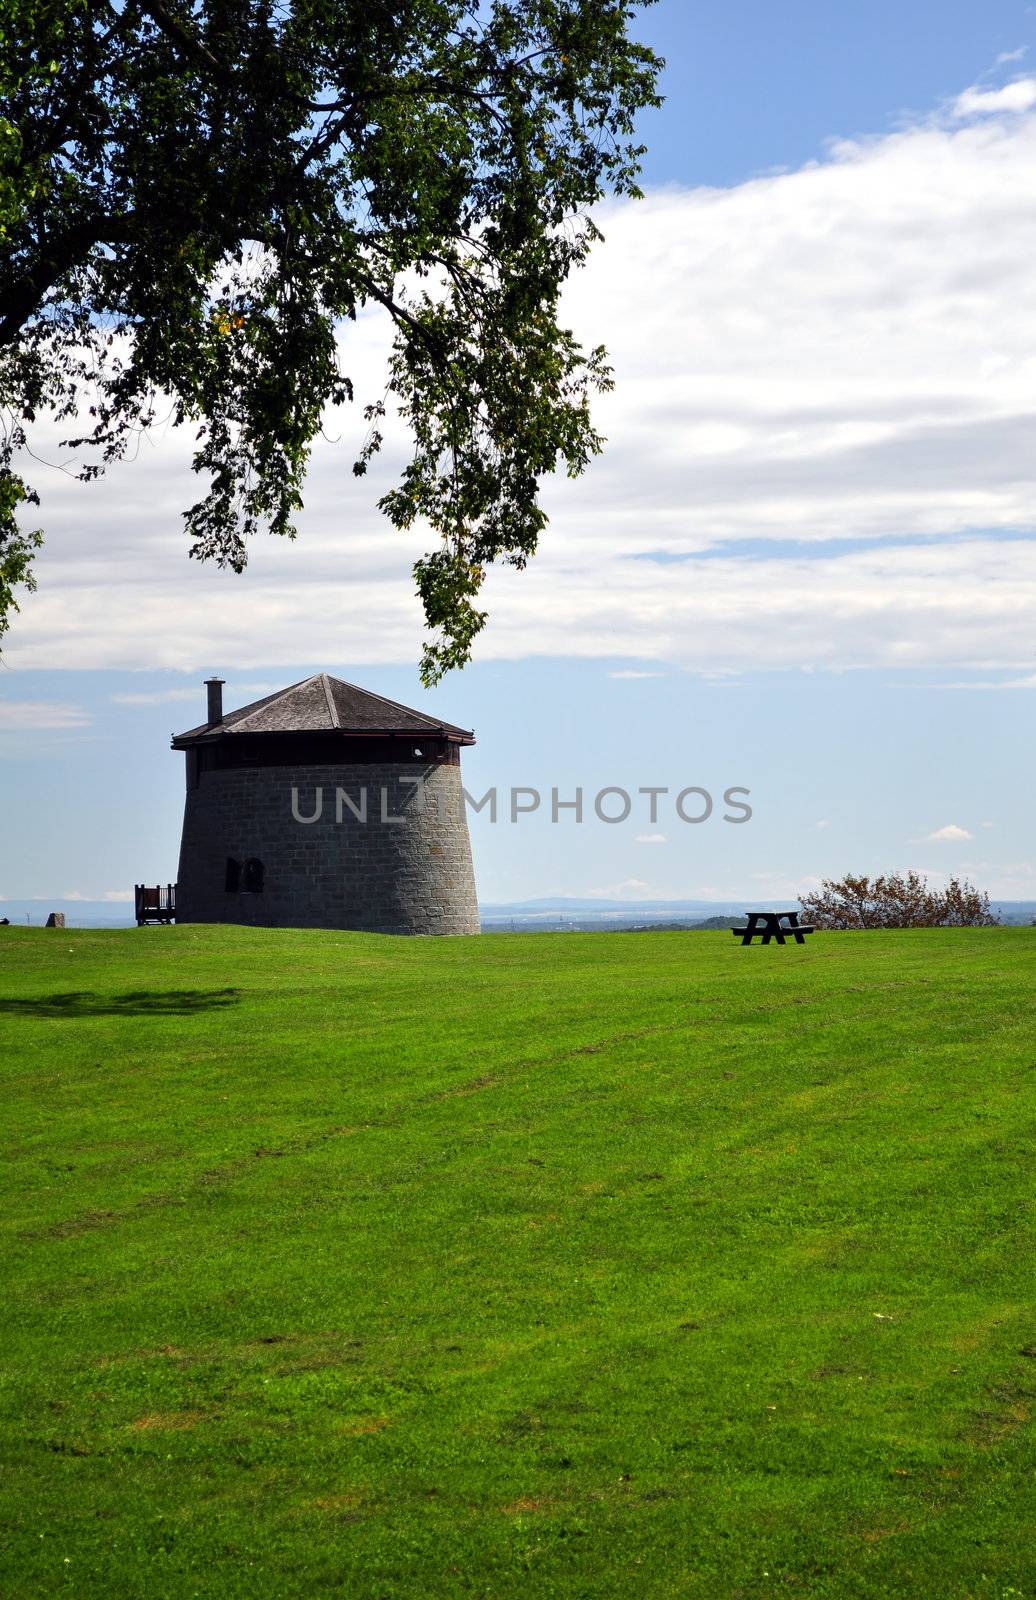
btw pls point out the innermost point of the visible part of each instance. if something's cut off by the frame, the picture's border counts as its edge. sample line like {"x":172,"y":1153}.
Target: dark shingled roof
{"x":323,"y":704}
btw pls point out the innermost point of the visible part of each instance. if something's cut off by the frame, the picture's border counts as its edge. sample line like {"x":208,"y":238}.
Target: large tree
{"x":196,"y":194}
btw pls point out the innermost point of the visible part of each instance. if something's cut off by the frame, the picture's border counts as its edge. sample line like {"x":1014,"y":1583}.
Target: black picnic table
{"x":767,"y":925}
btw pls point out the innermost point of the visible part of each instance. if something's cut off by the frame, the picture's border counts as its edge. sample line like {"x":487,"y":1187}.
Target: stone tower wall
{"x":412,"y":875}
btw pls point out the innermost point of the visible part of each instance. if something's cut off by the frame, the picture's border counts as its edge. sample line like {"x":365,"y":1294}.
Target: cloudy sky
{"x":805,"y":564}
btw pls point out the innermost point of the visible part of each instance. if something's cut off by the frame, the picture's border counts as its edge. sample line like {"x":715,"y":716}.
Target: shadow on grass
{"x":139,"y":1003}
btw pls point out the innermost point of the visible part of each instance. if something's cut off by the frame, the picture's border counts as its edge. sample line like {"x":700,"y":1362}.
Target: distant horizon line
{"x":542,"y":902}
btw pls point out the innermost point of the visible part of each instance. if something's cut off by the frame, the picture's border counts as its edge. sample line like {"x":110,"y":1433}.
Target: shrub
{"x":896,"y":900}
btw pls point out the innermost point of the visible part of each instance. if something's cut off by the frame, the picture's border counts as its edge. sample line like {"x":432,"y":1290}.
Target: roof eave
{"x":189,"y":741}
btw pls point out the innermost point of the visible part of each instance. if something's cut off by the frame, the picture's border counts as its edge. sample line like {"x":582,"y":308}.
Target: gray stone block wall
{"x":408,"y":876}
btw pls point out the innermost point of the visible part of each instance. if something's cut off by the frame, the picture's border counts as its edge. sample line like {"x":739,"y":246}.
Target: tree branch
{"x":21,"y":298}
{"x":401,"y":315}
{"x":186,"y":41}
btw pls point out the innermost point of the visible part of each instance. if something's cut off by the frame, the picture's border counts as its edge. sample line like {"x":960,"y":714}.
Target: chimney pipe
{"x":215,"y":689}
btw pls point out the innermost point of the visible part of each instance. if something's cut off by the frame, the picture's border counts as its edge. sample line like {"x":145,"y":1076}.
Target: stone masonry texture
{"x":409,"y":876}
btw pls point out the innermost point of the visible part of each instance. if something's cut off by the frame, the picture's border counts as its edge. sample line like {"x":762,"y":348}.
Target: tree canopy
{"x":195,"y":195}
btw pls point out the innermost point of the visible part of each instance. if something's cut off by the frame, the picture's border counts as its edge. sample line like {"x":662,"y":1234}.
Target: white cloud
{"x":114,"y":896}
{"x":997,"y":683}
{"x":1006,"y":56}
{"x":650,"y":838}
{"x":823,"y":823}
{"x":979,"y":102}
{"x":158,"y":698}
{"x":950,"y":834}
{"x":41,"y":715}
{"x":636,"y":674}
{"x":628,"y":889}
{"x":779,"y":886}
{"x":1010,"y":880}
{"x":843,"y":356}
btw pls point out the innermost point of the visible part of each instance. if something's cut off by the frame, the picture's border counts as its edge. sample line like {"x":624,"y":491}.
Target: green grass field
{"x":575,"y":1265}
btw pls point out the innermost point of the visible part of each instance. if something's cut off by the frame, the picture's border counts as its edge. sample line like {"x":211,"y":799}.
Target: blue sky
{"x":805,"y":564}
{"x":754,"y":86}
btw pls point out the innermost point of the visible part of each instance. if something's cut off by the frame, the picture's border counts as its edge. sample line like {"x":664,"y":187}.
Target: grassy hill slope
{"x":572,"y":1265}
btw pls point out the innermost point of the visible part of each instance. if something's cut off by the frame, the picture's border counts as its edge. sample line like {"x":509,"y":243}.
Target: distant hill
{"x":78,"y":913}
{"x":1014,"y":911}
{"x":574,"y":905}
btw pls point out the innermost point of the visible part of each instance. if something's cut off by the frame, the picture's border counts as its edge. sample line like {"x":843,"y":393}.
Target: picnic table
{"x":767,"y":925}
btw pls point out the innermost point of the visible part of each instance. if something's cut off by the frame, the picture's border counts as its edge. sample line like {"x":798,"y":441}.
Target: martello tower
{"x":325,"y":806}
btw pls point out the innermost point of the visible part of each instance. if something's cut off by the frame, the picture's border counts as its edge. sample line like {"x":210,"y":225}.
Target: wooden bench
{"x":767,"y":925}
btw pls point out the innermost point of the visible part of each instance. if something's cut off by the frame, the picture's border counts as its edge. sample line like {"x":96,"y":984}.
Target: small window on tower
{"x":253,"y":879}
{"x":233,"y":877}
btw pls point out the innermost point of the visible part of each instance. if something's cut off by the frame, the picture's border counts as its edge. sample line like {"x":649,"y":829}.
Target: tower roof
{"x":323,"y":704}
